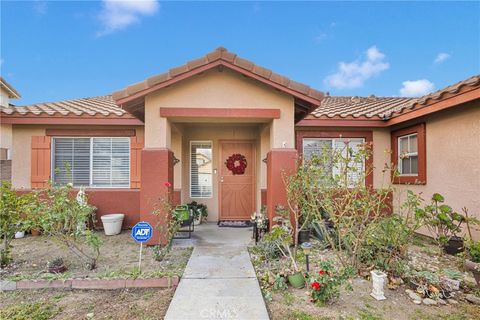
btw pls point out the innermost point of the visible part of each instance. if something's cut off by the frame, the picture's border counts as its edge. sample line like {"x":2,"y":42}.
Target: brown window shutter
{"x":136,"y":146}
{"x":41,"y":157}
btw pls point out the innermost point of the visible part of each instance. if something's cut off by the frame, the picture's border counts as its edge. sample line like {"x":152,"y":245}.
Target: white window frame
{"x":408,"y":154}
{"x":190,"y":168}
{"x":90,"y":186}
{"x":333,"y":140}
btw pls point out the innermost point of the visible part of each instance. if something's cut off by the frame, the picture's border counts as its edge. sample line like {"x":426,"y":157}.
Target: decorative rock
{"x":417,"y":301}
{"x":90,"y":315}
{"x":442,"y":302}
{"x":429,"y":302}
{"x":452,"y":301}
{"x":412,"y":295}
{"x":7,"y":285}
{"x":450,"y":284}
{"x":473,"y":299}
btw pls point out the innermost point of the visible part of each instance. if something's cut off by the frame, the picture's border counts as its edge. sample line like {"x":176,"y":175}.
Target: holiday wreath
{"x":236,"y":163}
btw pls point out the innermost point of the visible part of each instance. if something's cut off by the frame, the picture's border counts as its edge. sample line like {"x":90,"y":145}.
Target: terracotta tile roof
{"x":358,"y":107}
{"x":417,"y":103}
{"x":220,"y":55}
{"x":383,"y":107}
{"x":95,"y":106}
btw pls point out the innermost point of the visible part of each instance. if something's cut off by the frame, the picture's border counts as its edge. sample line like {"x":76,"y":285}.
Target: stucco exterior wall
{"x":22,"y":141}
{"x":453,"y":165}
{"x":213,"y":133}
{"x":6,"y":136}
{"x":218,"y":89}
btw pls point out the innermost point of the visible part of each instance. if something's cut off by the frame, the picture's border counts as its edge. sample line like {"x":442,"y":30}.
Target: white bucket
{"x":19,"y":234}
{"x":112,"y":223}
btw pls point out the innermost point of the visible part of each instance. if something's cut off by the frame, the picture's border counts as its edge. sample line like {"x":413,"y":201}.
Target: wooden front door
{"x":236,"y":191}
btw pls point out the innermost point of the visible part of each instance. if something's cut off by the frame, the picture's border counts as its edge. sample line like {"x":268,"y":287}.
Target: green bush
{"x":11,"y":209}
{"x":67,"y":222}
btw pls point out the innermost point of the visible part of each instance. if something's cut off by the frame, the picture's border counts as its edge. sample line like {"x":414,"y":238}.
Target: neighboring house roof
{"x":306,"y":98}
{"x":12,"y":92}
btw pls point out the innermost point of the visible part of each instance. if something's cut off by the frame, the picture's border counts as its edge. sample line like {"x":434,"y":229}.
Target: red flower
{"x":324,"y":272}
{"x":167,"y":184}
{"x":316,"y":286}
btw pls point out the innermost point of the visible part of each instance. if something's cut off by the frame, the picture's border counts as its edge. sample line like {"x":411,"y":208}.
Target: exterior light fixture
{"x":307,"y":247}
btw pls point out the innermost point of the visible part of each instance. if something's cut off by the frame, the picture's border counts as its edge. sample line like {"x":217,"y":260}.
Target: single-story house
{"x":181,"y":127}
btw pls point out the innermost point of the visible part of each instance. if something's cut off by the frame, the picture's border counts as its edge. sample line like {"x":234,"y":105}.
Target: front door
{"x":237,"y":186}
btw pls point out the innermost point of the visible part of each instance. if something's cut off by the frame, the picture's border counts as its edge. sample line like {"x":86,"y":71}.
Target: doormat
{"x":235,"y":223}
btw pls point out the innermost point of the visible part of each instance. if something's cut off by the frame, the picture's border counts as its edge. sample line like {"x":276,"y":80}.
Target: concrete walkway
{"x":219,"y":281}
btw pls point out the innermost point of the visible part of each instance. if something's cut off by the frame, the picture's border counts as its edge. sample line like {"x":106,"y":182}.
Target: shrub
{"x":11,"y":209}
{"x":326,"y":285}
{"x":441,"y":220}
{"x":66,"y":221}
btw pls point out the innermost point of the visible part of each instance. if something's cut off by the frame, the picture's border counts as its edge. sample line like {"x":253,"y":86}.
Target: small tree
{"x":67,"y":221}
{"x":11,"y":209}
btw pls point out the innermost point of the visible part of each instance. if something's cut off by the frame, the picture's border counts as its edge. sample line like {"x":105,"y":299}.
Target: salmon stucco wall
{"x":453,"y":165}
{"x":218,"y":89}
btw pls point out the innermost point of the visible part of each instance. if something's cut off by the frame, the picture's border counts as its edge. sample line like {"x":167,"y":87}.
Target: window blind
{"x":200,"y":169}
{"x":324,"y":148}
{"x":94,"y":162}
{"x":111,"y":162}
{"x":72,"y":161}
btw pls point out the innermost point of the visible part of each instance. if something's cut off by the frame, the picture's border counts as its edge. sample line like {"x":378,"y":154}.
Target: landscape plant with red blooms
{"x":326,"y":286}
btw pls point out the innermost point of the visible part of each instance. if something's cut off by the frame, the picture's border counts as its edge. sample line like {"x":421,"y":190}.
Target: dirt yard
{"x":93,"y":304}
{"x":118,"y":259}
{"x":295,"y":304}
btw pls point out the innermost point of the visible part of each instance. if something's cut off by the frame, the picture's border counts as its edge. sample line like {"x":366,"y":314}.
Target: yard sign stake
{"x":141,"y":232}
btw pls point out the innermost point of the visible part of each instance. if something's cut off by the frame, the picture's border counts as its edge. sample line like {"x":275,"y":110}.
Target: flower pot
{"x":378,"y":284}
{"x":35,"y":232}
{"x":112,"y":223}
{"x":454,"y":246}
{"x":19,"y":234}
{"x":57,"y":269}
{"x":296,"y":280}
{"x":303,"y":236}
{"x":474,"y":267}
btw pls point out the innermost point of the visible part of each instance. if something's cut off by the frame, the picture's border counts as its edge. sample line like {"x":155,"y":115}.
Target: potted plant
{"x":281,"y":236}
{"x":444,"y":223}
{"x":57,"y":265}
{"x":199,"y":211}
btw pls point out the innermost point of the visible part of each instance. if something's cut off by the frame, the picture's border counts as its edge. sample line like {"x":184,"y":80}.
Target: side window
{"x":201,"y":169}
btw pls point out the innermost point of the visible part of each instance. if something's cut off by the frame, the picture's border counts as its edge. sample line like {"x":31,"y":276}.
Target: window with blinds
{"x":408,"y":155}
{"x":201,"y":169}
{"x":323,"y":148}
{"x":92,"y":162}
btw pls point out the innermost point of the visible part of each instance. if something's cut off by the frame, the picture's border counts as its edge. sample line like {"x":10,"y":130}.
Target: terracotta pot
{"x":57,"y":269}
{"x":454,"y":246}
{"x":474,"y":267}
{"x":35,"y":232}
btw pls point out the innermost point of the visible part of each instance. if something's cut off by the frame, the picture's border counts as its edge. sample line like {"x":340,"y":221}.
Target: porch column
{"x":281,"y":159}
{"x":157,"y":169}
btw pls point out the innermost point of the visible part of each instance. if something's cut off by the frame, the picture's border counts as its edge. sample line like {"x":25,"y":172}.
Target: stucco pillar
{"x":157,"y":169}
{"x":279,"y":162}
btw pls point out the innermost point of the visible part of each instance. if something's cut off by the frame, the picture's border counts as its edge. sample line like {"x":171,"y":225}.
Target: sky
{"x":56,"y":50}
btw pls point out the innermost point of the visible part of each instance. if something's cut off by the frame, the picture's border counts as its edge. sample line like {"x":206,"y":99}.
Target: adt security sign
{"x":142,"y":232}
